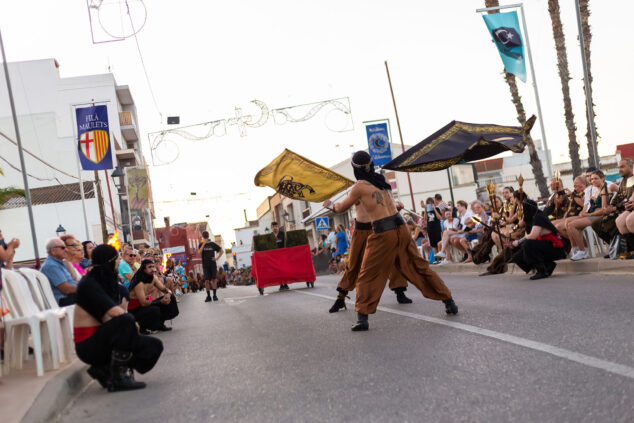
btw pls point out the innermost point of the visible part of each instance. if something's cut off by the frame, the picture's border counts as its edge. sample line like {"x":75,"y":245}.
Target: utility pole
{"x":398,"y":123}
{"x":21,"y":154}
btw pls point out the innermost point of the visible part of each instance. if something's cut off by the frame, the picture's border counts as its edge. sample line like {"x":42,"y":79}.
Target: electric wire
{"x":147,"y":78}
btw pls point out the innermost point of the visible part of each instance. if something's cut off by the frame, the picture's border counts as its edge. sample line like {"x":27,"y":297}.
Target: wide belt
{"x":363,"y":226}
{"x":387,"y":223}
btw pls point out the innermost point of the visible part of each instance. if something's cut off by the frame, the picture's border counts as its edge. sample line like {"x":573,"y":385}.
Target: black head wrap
{"x":532,"y":216}
{"x":140,"y":276}
{"x":364,"y":170}
{"x":104,"y":260}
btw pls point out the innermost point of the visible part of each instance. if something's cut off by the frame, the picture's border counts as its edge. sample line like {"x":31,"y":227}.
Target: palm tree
{"x":8,"y":193}
{"x":536,"y":164}
{"x":564,"y":76}
{"x":587,"y":37}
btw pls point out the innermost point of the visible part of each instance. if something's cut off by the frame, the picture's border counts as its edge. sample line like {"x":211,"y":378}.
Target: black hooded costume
{"x":117,"y":339}
{"x":153,"y":316}
{"x":539,"y":254}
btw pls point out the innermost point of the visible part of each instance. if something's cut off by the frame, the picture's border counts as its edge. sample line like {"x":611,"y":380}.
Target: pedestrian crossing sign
{"x":322,"y":223}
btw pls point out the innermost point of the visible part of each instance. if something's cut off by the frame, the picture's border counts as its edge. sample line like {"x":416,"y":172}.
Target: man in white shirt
{"x":331,"y":240}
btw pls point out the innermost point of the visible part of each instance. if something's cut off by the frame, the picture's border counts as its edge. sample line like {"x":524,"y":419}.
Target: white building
{"x":45,"y":105}
{"x":243,"y":246}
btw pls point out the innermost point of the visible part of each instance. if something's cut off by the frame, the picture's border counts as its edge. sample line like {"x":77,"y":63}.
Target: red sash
{"x":81,"y":334}
{"x":553,"y":238}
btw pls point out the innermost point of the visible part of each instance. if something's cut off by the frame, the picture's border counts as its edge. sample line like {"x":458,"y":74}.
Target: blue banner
{"x":379,"y":143}
{"x":93,"y":138}
{"x":506,"y":33}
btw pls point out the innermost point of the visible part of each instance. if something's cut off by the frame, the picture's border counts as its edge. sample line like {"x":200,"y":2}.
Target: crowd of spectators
{"x":447,"y":232}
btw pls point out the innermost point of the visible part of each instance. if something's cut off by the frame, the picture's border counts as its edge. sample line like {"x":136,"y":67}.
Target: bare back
{"x":376,"y":203}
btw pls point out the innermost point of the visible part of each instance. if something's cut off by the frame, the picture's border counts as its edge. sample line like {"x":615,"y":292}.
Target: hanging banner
{"x":378,"y":134}
{"x":505,"y":30}
{"x":93,"y":138}
{"x":138,"y":200}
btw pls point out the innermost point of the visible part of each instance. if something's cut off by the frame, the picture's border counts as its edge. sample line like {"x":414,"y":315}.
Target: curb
{"x":601,"y":266}
{"x":58,"y":393}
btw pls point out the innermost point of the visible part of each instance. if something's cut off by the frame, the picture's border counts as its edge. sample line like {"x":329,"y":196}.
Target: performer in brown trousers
{"x":362,"y":230}
{"x":389,"y":245}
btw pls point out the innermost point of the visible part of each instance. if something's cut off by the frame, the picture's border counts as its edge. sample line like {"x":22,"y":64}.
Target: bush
{"x":295,"y":238}
{"x":264,"y":242}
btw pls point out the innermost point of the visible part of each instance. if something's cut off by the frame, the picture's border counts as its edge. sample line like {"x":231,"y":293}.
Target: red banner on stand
{"x":284,"y":265}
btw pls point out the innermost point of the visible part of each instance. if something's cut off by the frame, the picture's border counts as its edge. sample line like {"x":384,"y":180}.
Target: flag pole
{"x":27,"y":192}
{"x":398,"y":123}
{"x":81,"y":182}
{"x":535,"y":89}
{"x":584,"y":61}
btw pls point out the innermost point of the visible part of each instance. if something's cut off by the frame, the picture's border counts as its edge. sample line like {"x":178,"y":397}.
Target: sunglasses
{"x":131,"y":255}
{"x":63,"y":247}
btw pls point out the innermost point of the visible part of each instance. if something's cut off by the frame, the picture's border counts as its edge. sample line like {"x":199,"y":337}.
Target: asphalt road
{"x":555,"y":350}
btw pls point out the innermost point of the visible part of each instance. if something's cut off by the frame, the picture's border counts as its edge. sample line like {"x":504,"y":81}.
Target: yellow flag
{"x":294,"y":176}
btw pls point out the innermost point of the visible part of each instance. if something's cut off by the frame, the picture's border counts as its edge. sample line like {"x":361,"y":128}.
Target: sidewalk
{"x":26,"y":398}
{"x":566,"y":266}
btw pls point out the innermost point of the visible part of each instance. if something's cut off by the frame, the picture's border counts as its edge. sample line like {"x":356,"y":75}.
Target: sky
{"x":204,"y":59}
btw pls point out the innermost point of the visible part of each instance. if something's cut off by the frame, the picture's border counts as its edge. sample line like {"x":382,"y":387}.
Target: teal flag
{"x":506,"y":33}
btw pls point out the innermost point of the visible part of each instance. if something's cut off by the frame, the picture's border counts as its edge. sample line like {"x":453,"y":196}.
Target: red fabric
{"x":284,"y":265}
{"x":554,"y":239}
{"x":81,"y":334}
{"x":134,"y":303}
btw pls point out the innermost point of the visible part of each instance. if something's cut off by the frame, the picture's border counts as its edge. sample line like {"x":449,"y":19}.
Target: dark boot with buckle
{"x":362,"y":323}
{"x":340,"y":302}
{"x":401,"y":297}
{"x":450,"y":306}
{"x":121,"y":379}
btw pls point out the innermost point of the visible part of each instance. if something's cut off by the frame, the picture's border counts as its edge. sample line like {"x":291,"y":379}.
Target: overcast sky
{"x":204,"y":58}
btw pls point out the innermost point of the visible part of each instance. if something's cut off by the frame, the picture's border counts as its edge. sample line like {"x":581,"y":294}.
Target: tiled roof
{"x":52,"y":194}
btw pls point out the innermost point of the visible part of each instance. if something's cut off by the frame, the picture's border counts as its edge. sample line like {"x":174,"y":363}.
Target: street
{"x":554,"y":350}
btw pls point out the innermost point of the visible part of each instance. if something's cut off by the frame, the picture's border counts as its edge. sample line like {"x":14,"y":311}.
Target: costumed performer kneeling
{"x":106,"y":337}
{"x":542,"y":244}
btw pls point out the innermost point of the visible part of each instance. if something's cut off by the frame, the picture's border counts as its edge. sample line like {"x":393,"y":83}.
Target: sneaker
{"x":443,"y":261}
{"x":580,"y":255}
{"x":574,"y":251}
{"x":440,"y":255}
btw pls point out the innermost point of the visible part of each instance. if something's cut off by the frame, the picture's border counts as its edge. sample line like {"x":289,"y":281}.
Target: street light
{"x":116,"y":175}
{"x":60,"y":230}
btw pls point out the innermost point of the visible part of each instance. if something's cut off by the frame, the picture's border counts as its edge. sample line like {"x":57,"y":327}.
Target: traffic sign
{"x":322,"y":223}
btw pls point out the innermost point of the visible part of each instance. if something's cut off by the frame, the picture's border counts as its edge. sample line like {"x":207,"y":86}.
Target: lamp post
{"x":116,"y":175}
{"x":60,"y":230}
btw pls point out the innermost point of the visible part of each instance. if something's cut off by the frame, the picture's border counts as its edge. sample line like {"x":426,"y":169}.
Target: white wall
{"x":15,"y":224}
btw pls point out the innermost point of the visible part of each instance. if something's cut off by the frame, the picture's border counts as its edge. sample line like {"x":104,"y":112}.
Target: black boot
{"x":362,"y":323}
{"x":450,"y":306}
{"x":101,"y":374}
{"x":208,"y":299}
{"x":340,"y":302}
{"x":542,"y":272}
{"x":121,"y":379}
{"x":550,"y":268}
{"x":401,"y":297}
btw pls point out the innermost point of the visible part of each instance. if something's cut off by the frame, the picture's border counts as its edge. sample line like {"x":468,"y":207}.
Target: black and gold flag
{"x":461,"y":142}
{"x":294,"y":176}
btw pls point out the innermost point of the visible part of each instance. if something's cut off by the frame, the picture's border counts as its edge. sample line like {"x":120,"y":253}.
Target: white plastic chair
{"x":595,"y":244}
{"x":24,"y":317}
{"x":38,"y":284}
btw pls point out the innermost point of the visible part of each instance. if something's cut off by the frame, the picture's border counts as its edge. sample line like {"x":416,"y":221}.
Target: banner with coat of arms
{"x":93,"y":135}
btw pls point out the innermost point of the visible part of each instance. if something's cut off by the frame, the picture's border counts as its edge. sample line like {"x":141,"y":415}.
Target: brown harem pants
{"x":394,"y":248}
{"x":355,"y":259}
